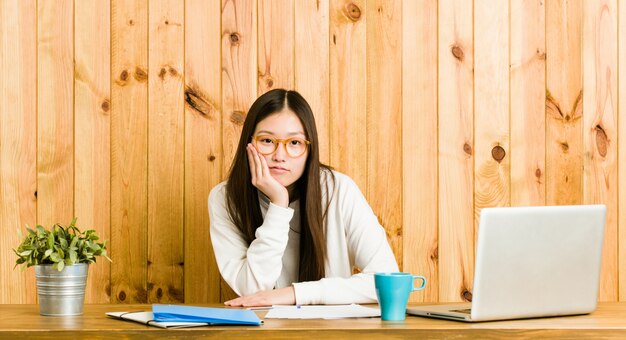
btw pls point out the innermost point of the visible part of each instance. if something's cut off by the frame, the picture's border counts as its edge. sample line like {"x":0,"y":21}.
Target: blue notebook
{"x":225,"y":316}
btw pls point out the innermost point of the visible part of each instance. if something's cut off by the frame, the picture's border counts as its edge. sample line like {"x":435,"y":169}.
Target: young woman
{"x":287,"y":229}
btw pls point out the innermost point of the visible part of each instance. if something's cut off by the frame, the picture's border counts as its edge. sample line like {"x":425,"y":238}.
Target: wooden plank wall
{"x":126,"y":113}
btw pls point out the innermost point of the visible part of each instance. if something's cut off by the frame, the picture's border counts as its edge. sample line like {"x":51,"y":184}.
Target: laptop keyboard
{"x":465,"y":311}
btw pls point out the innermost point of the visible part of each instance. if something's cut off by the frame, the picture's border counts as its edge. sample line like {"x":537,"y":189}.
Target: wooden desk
{"x":24,"y":322}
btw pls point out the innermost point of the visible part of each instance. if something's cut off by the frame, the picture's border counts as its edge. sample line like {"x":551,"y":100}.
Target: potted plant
{"x":61,"y":256}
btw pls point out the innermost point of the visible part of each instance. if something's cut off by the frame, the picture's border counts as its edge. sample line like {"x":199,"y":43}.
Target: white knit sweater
{"x":353,"y":238}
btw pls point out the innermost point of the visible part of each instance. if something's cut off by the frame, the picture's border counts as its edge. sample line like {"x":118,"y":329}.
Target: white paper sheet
{"x":322,"y":312}
{"x":147,"y":318}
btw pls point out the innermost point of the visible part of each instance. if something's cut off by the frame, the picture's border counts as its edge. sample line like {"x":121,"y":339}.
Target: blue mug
{"x":393,"y":290}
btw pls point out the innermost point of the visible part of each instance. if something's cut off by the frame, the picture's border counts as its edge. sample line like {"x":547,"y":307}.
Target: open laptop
{"x":532,"y":262}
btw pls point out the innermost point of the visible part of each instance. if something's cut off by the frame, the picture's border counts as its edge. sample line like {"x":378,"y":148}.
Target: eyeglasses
{"x":267,"y":145}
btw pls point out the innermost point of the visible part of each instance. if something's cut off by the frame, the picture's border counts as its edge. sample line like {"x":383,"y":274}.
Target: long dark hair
{"x":242,"y":197}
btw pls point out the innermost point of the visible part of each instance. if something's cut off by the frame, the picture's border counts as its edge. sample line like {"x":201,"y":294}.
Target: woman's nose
{"x":280,"y":154}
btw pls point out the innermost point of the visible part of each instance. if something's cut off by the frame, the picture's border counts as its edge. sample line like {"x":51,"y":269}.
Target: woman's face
{"x":283,"y":125}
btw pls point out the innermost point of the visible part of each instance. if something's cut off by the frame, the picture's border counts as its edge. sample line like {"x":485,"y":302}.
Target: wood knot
{"x":159,"y":293}
{"x":602,"y":141}
{"x":162,"y":73}
{"x":457,"y":52}
{"x":234,"y":38}
{"x":106,"y":105}
{"x":564,"y":147}
{"x":140,"y":75}
{"x":35,"y":194}
{"x":466,"y":295}
{"x":434,"y":254}
{"x":211,"y":158}
{"x":467,"y":149}
{"x":131,"y":22}
{"x":538,"y":173}
{"x":270,"y":82}
{"x":541,"y":55}
{"x":173,"y":72}
{"x":237,"y":117}
{"x":124,"y":75}
{"x":121,"y":296}
{"x":197,"y":102}
{"x":353,"y":12}
{"x":175,"y":293}
{"x":498,"y":153}
{"x":167,"y":22}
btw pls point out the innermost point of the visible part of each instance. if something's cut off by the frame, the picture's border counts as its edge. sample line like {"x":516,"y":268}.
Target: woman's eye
{"x":295,"y":142}
{"x":267,"y":140}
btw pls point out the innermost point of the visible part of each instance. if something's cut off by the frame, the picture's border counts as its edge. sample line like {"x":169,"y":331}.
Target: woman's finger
{"x":257,"y":163}
{"x":265,"y":169}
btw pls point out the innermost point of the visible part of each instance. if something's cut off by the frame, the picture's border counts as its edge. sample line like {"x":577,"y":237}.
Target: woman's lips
{"x":278,"y":170}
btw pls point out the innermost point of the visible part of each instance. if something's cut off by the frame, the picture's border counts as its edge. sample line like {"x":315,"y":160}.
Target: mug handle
{"x":423,"y":282}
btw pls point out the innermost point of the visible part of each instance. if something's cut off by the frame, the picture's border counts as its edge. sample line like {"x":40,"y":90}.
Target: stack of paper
{"x":178,"y":316}
{"x":322,"y":312}
{"x":147,"y":318}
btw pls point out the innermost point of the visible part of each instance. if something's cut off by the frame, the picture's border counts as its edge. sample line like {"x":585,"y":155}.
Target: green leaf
{"x":73,"y":256}
{"x":54,"y":257}
{"x":47,"y":253}
{"x":63,"y":243}
{"x":74,"y":242}
{"x":50,"y":240}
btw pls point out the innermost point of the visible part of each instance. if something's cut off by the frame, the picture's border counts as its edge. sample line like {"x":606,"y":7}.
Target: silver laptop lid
{"x":538,"y":261}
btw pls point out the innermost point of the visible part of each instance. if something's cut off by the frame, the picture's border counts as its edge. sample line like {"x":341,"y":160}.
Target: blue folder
{"x":224,"y":316}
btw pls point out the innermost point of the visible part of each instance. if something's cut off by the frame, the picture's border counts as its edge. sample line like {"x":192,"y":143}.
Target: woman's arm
{"x":280,"y":296}
{"x":366,"y":242}
{"x":253,"y":268}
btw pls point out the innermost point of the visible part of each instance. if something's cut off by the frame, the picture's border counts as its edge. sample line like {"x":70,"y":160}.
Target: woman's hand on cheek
{"x":263,"y":180}
{"x":281,"y":296}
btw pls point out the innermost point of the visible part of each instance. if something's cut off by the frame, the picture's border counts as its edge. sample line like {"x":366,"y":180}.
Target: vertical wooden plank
{"x":600,"y":127}
{"x":456,"y":171}
{"x":312,"y":64}
{"x":129,"y":150}
{"x":276,"y":45}
{"x":239,"y":78}
{"x":203,"y":135}
{"x":528,"y":88}
{"x":491,"y":106}
{"x":239,"y":70}
{"x":348,"y":89}
{"x":384,"y":117}
{"x":166,"y":133}
{"x":92,"y":106}
{"x":55,"y":106}
{"x":419,"y":144}
{"x":564,"y":107}
{"x":621,"y":153}
{"x":18,"y":130}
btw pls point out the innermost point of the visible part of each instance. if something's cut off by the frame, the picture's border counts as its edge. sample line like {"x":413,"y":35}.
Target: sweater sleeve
{"x":368,"y":246}
{"x":253,"y":268}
